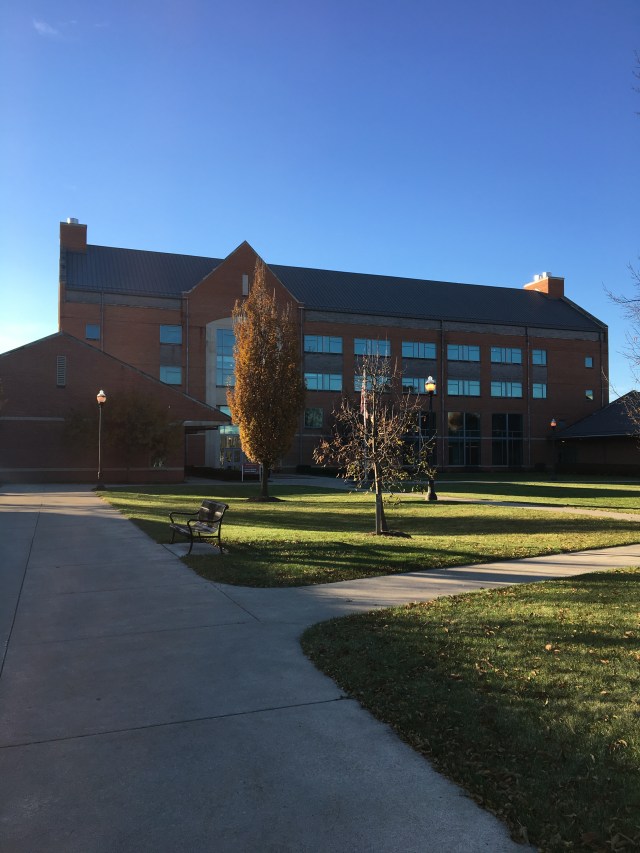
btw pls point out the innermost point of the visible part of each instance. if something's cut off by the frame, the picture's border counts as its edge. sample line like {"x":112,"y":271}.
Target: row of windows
{"x":455,"y":387}
{"x":463,"y":437}
{"x":463,"y":446}
{"x":225,"y":362}
{"x":172,"y":334}
{"x":459,"y":424}
{"x":172,"y":375}
{"x":417,"y":349}
{"x":471,"y":388}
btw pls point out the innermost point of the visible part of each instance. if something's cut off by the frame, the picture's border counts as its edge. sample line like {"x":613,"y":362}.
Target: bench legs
{"x":188,"y":534}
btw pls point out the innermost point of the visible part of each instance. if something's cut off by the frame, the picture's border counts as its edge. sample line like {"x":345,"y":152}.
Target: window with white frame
{"x":371,"y":346}
{"x":418,"y":349}
{"x":323,"y":381}
{"x":463,"y":352}
{"x":506,"y":389}
{"x":538,"y":356}
{"x":322,"y":343}
{"x":506,"y":355}
{"x":463,"y":387}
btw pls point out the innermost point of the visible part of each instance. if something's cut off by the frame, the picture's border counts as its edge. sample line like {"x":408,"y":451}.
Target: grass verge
{"x":323,"y":535}
{"x":527,"y":696}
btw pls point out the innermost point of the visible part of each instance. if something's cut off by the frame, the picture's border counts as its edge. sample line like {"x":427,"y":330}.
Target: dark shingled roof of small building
{"x":616,"y":419}
{"x":143,"y":273}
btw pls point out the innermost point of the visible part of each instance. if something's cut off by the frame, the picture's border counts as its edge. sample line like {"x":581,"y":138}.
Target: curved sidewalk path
{"x":145,"y":709}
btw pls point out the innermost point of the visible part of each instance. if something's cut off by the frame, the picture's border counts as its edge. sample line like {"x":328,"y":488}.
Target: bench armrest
{"x":183,"y":514}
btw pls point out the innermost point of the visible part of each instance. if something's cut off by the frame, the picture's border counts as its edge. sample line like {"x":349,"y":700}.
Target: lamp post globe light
{"x":430,"y":388}
{"x":101,"y":397}
{"x":553,"y":424}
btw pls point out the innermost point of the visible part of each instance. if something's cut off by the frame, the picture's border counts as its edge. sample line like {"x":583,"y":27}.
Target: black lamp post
{"x":101,"y":397}
{"x":430,"y":388}
{"x":553,"y":426}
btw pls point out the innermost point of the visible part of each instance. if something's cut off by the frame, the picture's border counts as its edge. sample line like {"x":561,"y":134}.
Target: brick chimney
{"x":553,"y":285}
{"x":73,"y":236}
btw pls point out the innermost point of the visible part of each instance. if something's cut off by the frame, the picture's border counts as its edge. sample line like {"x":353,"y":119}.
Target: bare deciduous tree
{"x":631,"y":308}
{"x":376,"y":441}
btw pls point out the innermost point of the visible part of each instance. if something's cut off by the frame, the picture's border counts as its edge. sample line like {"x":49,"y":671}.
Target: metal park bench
{"x":206,"y":523}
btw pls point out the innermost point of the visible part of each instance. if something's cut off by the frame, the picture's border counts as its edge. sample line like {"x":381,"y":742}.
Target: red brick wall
{"x":32,"y":445}
{"x":131,"y":334}
{"x":567,"y":379}
{"x":214,"y":299}
{"x":73,"y":236}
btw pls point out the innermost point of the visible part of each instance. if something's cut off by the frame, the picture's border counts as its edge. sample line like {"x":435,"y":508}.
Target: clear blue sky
{"x":480,"y":141}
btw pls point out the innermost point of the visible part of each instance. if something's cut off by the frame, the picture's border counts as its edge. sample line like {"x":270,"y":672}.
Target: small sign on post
{"x":251,"y":468}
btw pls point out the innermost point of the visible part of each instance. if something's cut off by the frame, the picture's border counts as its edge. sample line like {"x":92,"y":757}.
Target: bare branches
{"x":377,"y":442}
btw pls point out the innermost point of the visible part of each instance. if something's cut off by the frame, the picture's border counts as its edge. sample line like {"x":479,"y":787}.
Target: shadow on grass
{"x":327,"y":537}
{"x":596,"y":496}
{"x":508,"y":694}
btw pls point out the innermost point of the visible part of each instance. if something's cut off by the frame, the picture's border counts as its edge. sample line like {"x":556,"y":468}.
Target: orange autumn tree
{"x":269,"y":392}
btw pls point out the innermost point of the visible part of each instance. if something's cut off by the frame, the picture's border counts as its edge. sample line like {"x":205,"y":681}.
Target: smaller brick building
{"x":606,"y":442}
{"x":45,"y":381}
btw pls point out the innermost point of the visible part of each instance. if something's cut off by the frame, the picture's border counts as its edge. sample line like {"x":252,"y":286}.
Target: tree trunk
{"x":381,"y":521}
{"x":264,"y":481}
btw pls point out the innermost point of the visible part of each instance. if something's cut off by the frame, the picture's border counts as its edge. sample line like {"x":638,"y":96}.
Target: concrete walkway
{"x":145,"y":709}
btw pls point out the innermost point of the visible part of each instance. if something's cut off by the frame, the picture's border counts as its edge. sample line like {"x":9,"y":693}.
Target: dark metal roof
{"x":160,"y":274}
{"x":135,"y":272}
{"x":326,"y":290}
{"x":616,"y":419}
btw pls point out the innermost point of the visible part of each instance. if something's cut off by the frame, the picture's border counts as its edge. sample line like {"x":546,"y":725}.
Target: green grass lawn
{"x":317,"y":535}
{"x":528,"y":696}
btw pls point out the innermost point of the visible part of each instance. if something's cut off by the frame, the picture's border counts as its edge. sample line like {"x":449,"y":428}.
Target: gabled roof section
{"x":327,"y":290}
{"x":134,"y":271}
{"x":616,"y":419}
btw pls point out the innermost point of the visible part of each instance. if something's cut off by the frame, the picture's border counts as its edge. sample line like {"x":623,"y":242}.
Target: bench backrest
{"x":211,"y":511}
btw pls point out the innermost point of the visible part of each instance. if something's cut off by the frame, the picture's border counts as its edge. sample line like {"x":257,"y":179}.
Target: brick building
{"x":47,"y":381}
{"x":506,"y":360}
